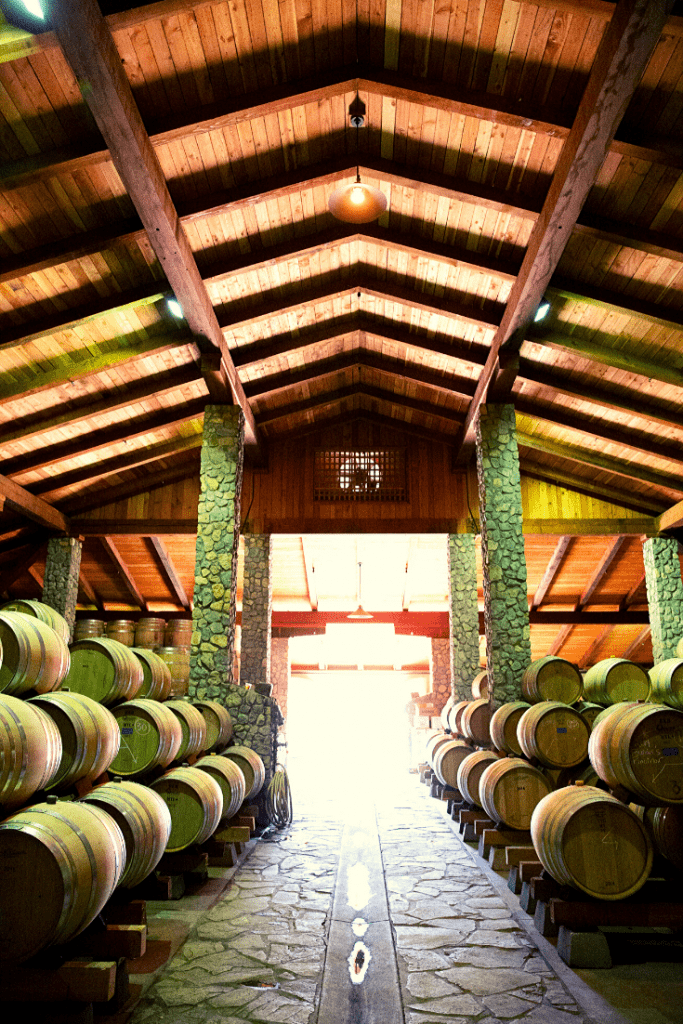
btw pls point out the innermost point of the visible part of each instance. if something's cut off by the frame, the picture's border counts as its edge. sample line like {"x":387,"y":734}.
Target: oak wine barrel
{"x":44,"y":613}
{"x":178,"y":661}
{"x":195,"y":801}
{"x":144,"y":820}
{"x":475,"y":723}
{"x":251,"y":766}
{"x":59,"y":864}
{"x":615,"y":679}
{"x":444,"y":712}
{"x":551,"y":678}
{"x":34,"y":656}
{"x":229,"y":777}
{"x":122,"y":630}
{"x":509,"y":790}
{"x":192,"y":725}
{"x":447,"y":760}
{"x":664,"y":825}
{"x":455,"y":716}
{"x":588,"y":711}
{"x":553,"y":733}
{"x":30,"y":751}
{"x":666,"y":683}
{"x":150,"y":737}
{"x":149,"y":632}
{"x":583,"y":773}
{"x":469,"y":775}
{"x":433,"y":744}
{"x":640,"y":747}
{"x":104,"y":669}
{"x":218,"y":724}
{"x":89,"y":733}
{"x":588,"y":839}
{"x":156,"y":677}
{"x":85,"y":628}
{"x":613,"y":709}
{"x":503,"y":727}
{"x":480,"y":685}
{"x":178,"y":633}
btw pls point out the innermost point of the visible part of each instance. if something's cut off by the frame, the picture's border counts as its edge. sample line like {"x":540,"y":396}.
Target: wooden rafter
{"x":637,"y":643}
{"x":123,"y":571}
{"x":600,"y":573}
{"x":31,"y":507}
{"x":309,"y":568}
{"x":360,"y":388}
{"x":21,"y":565}
{"x":634,"y":593}
{"x":169,"y":571}
{"x":588,"y":657}
{"x":551,"y":571}
{"x":88,"y":46}
{"x":560,"y":640}
{"x":671,"y":519}
{"x":622,"y":55}
{"x":665,"y":370}
{"x":88,"y":590}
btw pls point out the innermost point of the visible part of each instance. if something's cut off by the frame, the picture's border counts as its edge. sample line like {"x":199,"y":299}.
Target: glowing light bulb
{"x":357,"y":195}
{"x":34,"y":8}
{"x":175,"y":309}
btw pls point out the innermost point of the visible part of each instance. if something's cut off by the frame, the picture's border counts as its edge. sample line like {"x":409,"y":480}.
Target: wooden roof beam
{"x":613,"y":357}
{"x":551,"y":571}
{"x":621,"y":58}
{"x":309,"y":568}
{"x":31,"y":507}
{"x":559,"y":641}
{"x":21,"y":565}
{"x":600,"y":574}
{"x":360,"y":388}
{"x":671,"y":519}
{"x":633,"y":595}
{"x":169,"y":571}
{"x":637,"y":643}
{"x":89,"y":591}
{"x":123,"y":571}
{"x":617,"y":302}
{"x":588,"y":656}
{"x":90,"y":50}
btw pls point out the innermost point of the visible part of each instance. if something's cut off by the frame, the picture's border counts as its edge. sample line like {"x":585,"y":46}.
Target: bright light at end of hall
{"x":175,"y":309}
{"x":542,"y":311}
{"x":34,"y":7}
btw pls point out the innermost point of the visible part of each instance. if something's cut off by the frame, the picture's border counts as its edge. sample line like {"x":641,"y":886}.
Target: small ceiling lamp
{"x":542,"y":311}
{"x":360,"y":613}
{"x":357,"y":203}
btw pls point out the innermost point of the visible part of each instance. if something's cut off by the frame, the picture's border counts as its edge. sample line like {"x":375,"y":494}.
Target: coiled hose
{"x":279,"y":799}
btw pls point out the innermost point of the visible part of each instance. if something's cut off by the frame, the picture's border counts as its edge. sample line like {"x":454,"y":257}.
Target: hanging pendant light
{"x":360,"y":612}
{"x":357,"y":203}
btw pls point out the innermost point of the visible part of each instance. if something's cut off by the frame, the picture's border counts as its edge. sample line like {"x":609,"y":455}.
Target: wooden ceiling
{"x":189,"y":149}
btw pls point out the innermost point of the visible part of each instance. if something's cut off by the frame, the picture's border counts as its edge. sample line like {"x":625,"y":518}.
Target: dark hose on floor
{"x":279,"y":799}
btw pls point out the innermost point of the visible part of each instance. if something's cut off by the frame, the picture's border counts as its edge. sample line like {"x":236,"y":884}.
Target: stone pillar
{"x":664,"y":595}
{"x":257,"y":601}
{"x":279,"y":672}
{"x":441,"y":671}
{"x":60,"y":586}
{"x":506,"y":609}
{"x":463,"y":613}
{"x":218,"y":526}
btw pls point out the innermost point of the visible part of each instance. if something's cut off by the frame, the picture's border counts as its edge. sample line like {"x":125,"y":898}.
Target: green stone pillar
{"x":506,"y":609}
{"x":60,"y":586}
{"x":664,"y":595}
{"x":463,"y":613}
{"x":257,"y":602}
{"x":218,"y":531}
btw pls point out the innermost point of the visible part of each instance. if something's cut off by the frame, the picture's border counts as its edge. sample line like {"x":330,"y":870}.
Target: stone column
{"x":60,"y":586}
{"x":463,"y":613}
{"x":506,"y":609}
{"x":257,"y":601}
{"x":218,"y":526}
{"x":664,"y":595}
{"x":441,"y":671}
{"x":279,"y":671}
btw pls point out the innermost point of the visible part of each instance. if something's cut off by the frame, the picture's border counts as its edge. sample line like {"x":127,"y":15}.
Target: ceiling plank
{"x":622,"y":55}
{"x":587,"y":658}
{"x":637,"y":643}
{"x":90,"y":50}
{"x":123,"y":571}
{"x":169,"y":571}
{"x":617,"y":302}
{"x":633,"y":595}
{"x":9,"y":576}
{"x":88,"y":590}
{"x":31,"y":507}
{"x":601,"y":571}
{"x":625,"y":499}
{"x":559,"y":641}
{"x":130,"y":489}
{"x":359,"y":388}
{"x":310,"y":576}
{"x":666,"y":370}
{"x":551,"y":571}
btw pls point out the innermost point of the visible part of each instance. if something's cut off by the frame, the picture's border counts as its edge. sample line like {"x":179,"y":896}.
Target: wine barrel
{"x":503,"y":727}
{"x":144,"y":820}
{"x":551,"y":678}
{"x":640,"y":747}
{"x":59,"y":864}
{"x":34,"y":656}
{"x":251,"y":766}
{"x":89,"y":732}
{"x":178,"y":633}
{"x":122,"y":630}
{"x":583,"y":773}
{"x":664,"y":825}
{"x":480,"y":685}
{"x":178,"y":661}
{"x":475,"y":723}
{"x":455,"y":716}
{"x":612,"y":709}
{"x":666,"y":683}
{"x":156,"y":677}
{"x":553,"y":733}
{"x":590,"y":840}
{"x":447,"y":760}
{"x":104,"y":669}
{"x":149,"y":632}
{"x":150,"y":737}
{"x":229,"y":777}
{"x":30,"y":751}
{"x":218,"y":724}
{"x":509,"y":790}
{"x":588,"y":711}
{"x":43,"y":612}
{"x":433,"y":744}
{"x":469,"y":775}
{"x":85,"y":628}
{"x":444,"y":713}
{"x":192,"y":725}
{"x":615,"y":679}
{"x":195,"y":801}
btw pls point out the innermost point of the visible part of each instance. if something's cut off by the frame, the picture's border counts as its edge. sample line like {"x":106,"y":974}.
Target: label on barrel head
{"x":562,"y":728}
{"x":670,"y":751}
{"x":127,"y":731}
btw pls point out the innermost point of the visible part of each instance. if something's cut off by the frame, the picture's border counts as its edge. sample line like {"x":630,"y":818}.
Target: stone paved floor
{"x":462,"y":957}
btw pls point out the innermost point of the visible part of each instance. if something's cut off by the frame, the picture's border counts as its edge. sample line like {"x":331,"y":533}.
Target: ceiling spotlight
{"x":34,"y":7}
{"x":357,"y":203}
{"x":542,"y":311}
{"x":175,"y":309}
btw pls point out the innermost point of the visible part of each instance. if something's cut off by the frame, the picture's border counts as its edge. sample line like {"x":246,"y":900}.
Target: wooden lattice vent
{"x":377,"y":474}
